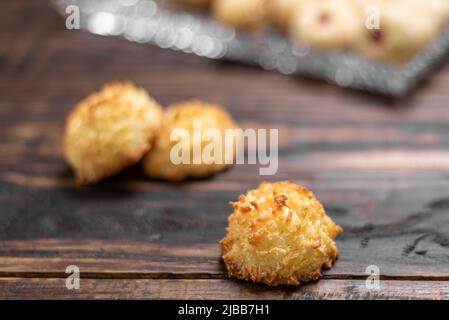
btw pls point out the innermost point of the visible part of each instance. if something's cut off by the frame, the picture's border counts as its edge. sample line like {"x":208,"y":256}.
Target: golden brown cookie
{"x":110,"y":130}
{"x":325,"y":24}
{"x":279,"y":234}
{"x":245,"y":15}
{"x":165,"y":161}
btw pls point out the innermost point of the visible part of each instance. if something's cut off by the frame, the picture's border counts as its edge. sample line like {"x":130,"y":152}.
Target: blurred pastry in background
{"x":110,"y":130}
{"x":404,"y":32}
{"x":279,"y":234}
{"x":325,"y":24}
{"x":188,"y":117}
{"x":196,"y":3}
{"x":437,"y":10}
{"x":281,"y":12}
{"x":407,"y":26}
{"x":242,"y":14}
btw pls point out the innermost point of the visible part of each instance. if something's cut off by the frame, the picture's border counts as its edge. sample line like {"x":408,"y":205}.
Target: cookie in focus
{"x":279,"y":234}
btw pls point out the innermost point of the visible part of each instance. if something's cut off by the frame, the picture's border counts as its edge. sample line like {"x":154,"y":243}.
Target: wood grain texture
{"x":380,"y":166}
{"x":199,"y":289}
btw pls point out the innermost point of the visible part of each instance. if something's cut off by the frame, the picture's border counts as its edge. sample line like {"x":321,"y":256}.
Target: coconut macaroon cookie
{"x":241,"y":14}
{"x":279,"y":234}
{"x":110,"y":130}
{"x":185,"y":126}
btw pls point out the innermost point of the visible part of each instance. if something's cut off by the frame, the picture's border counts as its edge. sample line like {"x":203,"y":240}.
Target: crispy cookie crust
{"x":279,"y":234}
{"x":157,"y":163}
{"x":110,"y":130}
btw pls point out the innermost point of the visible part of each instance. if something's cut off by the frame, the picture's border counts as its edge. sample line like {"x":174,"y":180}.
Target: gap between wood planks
{"x":199,"y":276}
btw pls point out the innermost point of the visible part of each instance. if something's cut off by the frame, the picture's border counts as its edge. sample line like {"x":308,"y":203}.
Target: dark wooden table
{"x":381,"y":168}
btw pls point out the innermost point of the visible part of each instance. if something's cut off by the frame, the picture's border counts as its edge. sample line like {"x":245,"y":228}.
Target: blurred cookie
{"x":325,"y":24}
{"x":196,"y":3}
{"x":110,"y":130}
{"x":241,"y":14}
{"x":403,"y":33}
{"x":279,"y":234}
{"x":437,"y":11}
{"x":184,"y":118}
{"x":281,"y":11}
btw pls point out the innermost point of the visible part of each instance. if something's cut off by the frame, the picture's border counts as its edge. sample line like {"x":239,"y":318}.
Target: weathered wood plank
{"x":422,"y":259}
{"x":25,"y":288}
{"x":398,"y":222}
